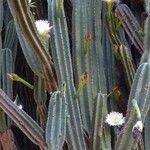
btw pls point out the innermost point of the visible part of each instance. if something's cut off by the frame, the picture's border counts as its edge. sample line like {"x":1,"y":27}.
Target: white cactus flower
{"x":115,"y":119}
{"x":43,"y":28}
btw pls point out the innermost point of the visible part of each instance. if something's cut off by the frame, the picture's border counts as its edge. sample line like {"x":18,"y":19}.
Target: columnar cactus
{"x":78,"y":81}
{"x":56,"y":122}
{"x":37,"y":57}
{"x":62,"y":58}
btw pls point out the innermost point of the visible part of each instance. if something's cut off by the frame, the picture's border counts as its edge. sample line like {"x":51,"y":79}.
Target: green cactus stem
{"x":26,"y":28}
{"x":56,"y":121}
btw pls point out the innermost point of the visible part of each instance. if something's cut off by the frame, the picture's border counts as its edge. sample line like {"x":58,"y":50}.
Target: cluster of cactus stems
{"x":78,"y":77}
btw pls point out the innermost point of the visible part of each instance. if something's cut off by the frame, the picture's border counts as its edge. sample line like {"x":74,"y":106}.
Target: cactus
{"x":62,"y":58}
{"x":25,"y":122}
{"x":11,"y":39}
{"x":145,"y":58}
{"x":128,"y":64}
{"x":140,"y":92}
{"x":121,"y":48}
{"x":40,"y":99}
{"x":101,"y":133}
{"x":56,"y":123}
{"x":130,"y":25}
{"x":94,"y":68}
{"x":147,"y":136}
{"x":87,"y":12}
{"x":38,"y":56}
{"x":81,"y":59}
{"x":6,"y":64}
{"x":1,"y":24}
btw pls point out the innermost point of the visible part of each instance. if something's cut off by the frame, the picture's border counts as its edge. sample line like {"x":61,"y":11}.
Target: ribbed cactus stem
{"x":146,"y":131}
{"x":130,"y":25}
{"x":128,"y":64}
{"x":25,"y":25}
{"x":146,"y":55}
{"x":88,"y":55}
{"x":6,"y":63}
{"x":1,"y":24}
{"x":3,"y":125}
{"x":139,"y":92}
{"x":59,"y":7}
{"x":62,"y":58}
{"x":23,"y":121}
{"x":146,"y":58}
{"x":101,"y":132}
{"x":56,"y":122}
{"x":40,"y":99}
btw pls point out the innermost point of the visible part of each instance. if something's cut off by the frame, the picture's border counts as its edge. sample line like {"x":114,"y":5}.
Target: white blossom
{"x":115,"y":119}
{"x":43,"y":27}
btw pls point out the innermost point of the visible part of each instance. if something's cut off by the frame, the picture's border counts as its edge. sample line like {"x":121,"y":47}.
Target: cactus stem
{"x":59,"y":6}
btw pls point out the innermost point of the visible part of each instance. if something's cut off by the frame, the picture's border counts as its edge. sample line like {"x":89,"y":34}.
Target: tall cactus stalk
{"x":62,"y":58}
{"x":87,"y":27}
{"x":146,"y":58}
{"x":29,"y":37}
{"x":140,"y":92}
{"x":40,"y":99}
{"x":147,"y":128}
{"x":56,"y":123}
{"x":94,"y":68}
{"x":25,"y":122}
{"x":101,"y":133}
{"x":141,"y":95}
{"x":6,"y":64}
{"x":121,"y":48}
{"x":1,"y":24}
{"x":11,"y":39}
{"x":81,"y":60}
